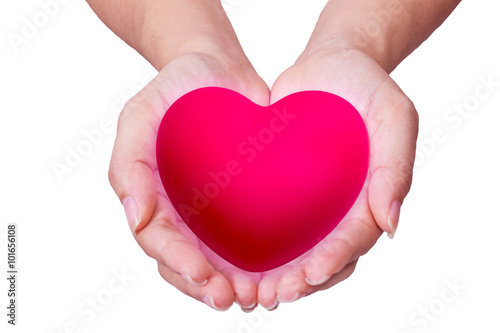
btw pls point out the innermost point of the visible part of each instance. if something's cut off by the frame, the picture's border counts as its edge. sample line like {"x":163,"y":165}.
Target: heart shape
{"x":262,"y":185}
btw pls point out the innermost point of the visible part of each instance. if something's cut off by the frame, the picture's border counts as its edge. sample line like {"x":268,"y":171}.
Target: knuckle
{"x":399,"y":175}
{"x":126,"y":111}
{"x":116,"y":181}
{"x":112,"y":176}
{"x":137,"y":111}
{"x":406,"y":110}
{"x":402,"y":105}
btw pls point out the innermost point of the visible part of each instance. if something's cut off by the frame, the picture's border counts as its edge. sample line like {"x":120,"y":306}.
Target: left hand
{"x":392,"y":124}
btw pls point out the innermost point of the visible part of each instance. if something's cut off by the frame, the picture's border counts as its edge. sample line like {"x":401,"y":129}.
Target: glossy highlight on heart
{"x":262,"y":185}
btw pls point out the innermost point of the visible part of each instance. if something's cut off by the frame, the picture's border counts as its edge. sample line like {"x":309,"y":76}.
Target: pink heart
{"x":262,"y":185}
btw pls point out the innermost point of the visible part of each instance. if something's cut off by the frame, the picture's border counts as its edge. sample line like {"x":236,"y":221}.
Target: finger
{"x":165,"y":240}
{"x":293,"y":286}
{"x":352,"y":238}
{"x":245,"y":289}
{"x":267,"y":287}
{"x":134,"y":159}
{"x":393,"y":126}
{"x":216,"y":293}
{"x":243,"y":283}
{"x":335,"y":278}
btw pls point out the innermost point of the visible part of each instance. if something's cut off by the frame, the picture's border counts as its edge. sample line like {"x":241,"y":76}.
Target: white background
{"x":73,"y":236}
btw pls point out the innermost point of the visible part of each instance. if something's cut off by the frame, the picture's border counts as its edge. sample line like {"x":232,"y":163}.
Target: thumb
{"x":393,"y":129}
{"x":133,"y":161}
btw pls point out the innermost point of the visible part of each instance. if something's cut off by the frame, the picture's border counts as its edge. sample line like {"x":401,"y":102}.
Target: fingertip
{"x":217,"y":293}
{"x":209,"y":300}
{"x":244,"y":285}
{"x":393,"y":218}
{"x":269,"y":303}
{"x":219,"y":305}
{"x":198,"y":271}
{"x":289,"y":299}
{"x":274,"y":305}
{"x":385,"y":199}
{"x":131,"y":213}
{"x":316,"y":281}
{"x":330,"y":257}
{"x":189,"y":279}
{"x":140,"y":225}
{"x":245,"y":296}
{"x":245,"y":304}
{"x":226,"y":302}
{"x":135,"y":187}
{"x":292,"y":286}
{"x":266,"y":292}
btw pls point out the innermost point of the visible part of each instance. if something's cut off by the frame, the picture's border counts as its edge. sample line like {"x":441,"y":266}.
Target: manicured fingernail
{"x":274,"y":306}
{"x":131,"y":212}
{"x":209,"y":300}
{"x":317,"y":282}
{"x":393,"y":219}
{"x":249,"y":309}
{"x":188,"y":278}
{"x":295,"y":297}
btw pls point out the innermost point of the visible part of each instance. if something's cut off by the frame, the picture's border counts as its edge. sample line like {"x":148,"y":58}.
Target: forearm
{"x":387,"y":30}
{"x":161,"y":30}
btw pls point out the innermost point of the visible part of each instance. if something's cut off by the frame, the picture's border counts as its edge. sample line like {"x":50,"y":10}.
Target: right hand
{"x":183,"y":261}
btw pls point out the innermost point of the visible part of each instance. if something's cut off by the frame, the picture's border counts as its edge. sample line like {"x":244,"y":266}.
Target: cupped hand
{"x":183,"y":261}
{"x":392,"y":125}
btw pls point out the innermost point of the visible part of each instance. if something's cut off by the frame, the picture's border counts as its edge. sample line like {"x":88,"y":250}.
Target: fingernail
{"x":274,"y":306}
{"x":131,"y":212}
{"x":209,"y":300}
{"x":188,"y":278}
{"x":251,"y":306}
{"x":249,"y":309}
{"x":295,"y":297}
{"x":317,"y":282}
{"x":393,"y":219}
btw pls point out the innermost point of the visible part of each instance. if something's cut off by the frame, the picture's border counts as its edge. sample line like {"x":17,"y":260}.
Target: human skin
{"x":354,"y":47}
{"x":192,"y":44}
{"x":201,"y":49}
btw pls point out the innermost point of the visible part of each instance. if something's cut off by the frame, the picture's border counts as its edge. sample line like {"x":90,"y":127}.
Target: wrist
{"x":191,"y":26}
{"x":379,"y":29}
